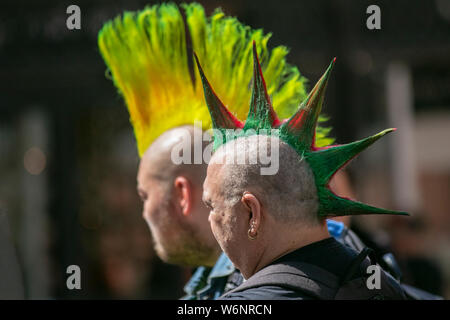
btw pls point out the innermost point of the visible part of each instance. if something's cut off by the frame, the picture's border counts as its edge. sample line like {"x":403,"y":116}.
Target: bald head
{"x":160,"y":159}
{"x":289,"y":194}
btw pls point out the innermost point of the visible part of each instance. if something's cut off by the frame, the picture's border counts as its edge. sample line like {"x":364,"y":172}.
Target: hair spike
{"x":261,"y":114}
{"x":221,"y":117}
{"x":326,"y":161}
{"x":300,"y":128}
{"x":299,"y":133}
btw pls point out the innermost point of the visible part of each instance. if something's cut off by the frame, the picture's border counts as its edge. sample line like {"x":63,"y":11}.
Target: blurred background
{"x":68,"y":159}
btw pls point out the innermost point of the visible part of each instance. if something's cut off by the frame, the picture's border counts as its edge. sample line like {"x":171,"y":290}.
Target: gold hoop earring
{"x":250,"y":236}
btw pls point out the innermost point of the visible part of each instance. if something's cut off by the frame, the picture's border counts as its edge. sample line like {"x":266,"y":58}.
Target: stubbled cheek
{"x":217,"y":224}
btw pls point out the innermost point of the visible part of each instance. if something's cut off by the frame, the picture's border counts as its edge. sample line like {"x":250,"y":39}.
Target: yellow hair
{"x":147,"y":55}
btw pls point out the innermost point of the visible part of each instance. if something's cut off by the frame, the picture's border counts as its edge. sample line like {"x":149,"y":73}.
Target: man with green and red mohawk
{"x":273,"y":226}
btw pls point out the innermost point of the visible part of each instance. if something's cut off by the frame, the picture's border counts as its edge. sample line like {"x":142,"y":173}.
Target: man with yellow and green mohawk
{"x":152,"y":66}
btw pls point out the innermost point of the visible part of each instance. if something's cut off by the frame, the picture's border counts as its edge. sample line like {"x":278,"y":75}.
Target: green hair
{"x":299,"y":132}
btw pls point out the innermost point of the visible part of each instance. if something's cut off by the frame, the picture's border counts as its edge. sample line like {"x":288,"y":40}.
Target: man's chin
{"x":187,"y":256}
{"x":168,"y":257}
{"x":175,"y":259}
{"x":162,"y":254}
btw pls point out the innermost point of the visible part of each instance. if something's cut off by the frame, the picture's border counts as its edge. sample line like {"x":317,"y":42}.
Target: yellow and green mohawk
{"x":299,"y":132}
{"x":147,"y":55}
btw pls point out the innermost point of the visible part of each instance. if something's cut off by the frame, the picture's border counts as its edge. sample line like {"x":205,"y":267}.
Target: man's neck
{"x":284,"y":240}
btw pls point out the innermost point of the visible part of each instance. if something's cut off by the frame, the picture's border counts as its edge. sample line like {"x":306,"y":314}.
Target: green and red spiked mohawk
{"x":299,"y":132}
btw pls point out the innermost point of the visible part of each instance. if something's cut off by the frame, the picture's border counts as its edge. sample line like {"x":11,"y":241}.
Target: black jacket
{"x":322,"y":270}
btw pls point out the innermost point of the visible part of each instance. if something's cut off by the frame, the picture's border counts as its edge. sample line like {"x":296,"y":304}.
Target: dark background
{"x":80,"y":206}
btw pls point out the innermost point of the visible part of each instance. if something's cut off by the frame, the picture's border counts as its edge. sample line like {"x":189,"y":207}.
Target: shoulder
{"x":286,"y":281}
{"x":267,"y":293}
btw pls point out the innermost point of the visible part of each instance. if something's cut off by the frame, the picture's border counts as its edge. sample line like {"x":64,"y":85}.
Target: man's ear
{"x":252,"y":204}
{"x":184,"y":193}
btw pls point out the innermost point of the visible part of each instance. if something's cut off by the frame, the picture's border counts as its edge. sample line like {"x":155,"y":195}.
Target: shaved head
{"x":290,"y":194}
{"x":158,"y":157}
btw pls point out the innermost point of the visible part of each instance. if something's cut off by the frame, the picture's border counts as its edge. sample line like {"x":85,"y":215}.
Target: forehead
{"x":144,"y":168}
{"x":147,"y":171}
{"x":213,"y":176}
{"x":218,"y":156}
